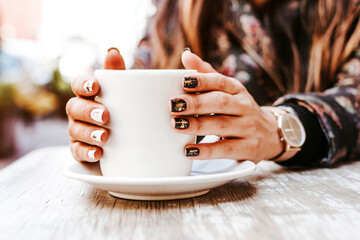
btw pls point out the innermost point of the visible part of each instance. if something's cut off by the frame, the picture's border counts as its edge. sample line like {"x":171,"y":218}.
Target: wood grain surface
{"x":38,"y":202}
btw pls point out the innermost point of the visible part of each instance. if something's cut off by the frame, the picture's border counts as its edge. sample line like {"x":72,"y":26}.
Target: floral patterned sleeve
{"x":338,"y":113}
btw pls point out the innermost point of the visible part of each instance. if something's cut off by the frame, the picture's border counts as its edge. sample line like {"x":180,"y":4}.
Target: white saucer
{"x":206,"y":174}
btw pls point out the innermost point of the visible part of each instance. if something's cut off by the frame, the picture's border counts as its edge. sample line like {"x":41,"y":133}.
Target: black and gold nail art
{"x":178,"y":105}
{"x":192,"y":151}
{"x":181,"y":123}
{"x":190,"y":82}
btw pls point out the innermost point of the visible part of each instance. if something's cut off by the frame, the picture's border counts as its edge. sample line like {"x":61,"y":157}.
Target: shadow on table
{"x":232,"y":192}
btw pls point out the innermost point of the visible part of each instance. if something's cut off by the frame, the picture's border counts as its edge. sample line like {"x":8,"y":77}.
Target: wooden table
{"x":38,"y":202}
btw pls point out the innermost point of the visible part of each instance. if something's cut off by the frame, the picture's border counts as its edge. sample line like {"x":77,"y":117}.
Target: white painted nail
{"x":96,"y":135}
{"x":96,"y":115}
{"x":88,"y":85}
{"x":91,"y":153}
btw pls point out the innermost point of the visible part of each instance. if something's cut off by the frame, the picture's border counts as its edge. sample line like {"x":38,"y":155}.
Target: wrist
{"x":275,"y":146}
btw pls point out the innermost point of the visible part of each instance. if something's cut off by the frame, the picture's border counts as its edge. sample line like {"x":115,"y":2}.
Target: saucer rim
{"x":214,"y":177}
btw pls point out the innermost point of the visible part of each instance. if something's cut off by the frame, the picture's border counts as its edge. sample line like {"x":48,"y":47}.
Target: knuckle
{"x":223,"y":122}
{"x":252,"y":129}
{"x":76,"y":83}
{"x":251,"y":125}
{"x":76,"y":146}
{"x":228,"y":149}
{"x":197,"y":125}
{"x":196,"y":103}
{"x":246,"y":103}
{"x":209,"y":152}
{"x":73,"y":84}
{"x":222,"y":80}
{"x":85,"y":112}
{"x":254,"y":145}
{"x":71,"y":129}
{"x":223,"y":100}
{"x":237,"y":86}
{"x":202,"y":78}
{"x":69,"y":105}
{"x":240,"y":87}
{"x":74,"y":150}
{"x":72,"y":147}
{"x":208,"y":65}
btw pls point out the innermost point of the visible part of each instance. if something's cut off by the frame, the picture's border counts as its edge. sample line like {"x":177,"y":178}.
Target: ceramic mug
{"x":142,"y":143}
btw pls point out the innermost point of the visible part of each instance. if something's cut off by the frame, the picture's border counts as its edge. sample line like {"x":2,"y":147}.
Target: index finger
{"x":206,"y":82}
{"x":87,"y":86}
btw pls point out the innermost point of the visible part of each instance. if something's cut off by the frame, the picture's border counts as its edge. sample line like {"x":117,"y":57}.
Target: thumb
{"x":114,"y":60}
{"x":193,"y":61}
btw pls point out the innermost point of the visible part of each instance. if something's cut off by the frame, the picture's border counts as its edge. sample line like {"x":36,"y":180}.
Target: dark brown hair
{"x":331,"y":28}
{"x":191,"y":28}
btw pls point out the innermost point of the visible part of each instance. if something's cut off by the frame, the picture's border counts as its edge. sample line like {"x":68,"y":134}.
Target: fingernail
{"x":185,"y":49}
{"x":192,"y":151}
{"x":91,"y":153}
{"x":190,"y":82}
{"x":113,"y":48}
{"x":88,"y":85}
{"x":178,"y":105}
{"x":96,"y":135}
{"x":96,"y":115}
{"x":181,"y":123}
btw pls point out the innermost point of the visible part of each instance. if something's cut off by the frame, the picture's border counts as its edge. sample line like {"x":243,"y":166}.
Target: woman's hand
{"x":87,"y":118}
{"x":248,"y":131}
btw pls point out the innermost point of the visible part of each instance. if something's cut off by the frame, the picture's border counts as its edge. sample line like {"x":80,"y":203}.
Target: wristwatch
{"x":291,"y":132}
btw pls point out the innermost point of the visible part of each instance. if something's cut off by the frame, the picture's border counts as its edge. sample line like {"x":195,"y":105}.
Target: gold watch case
{"x":291,"y":131}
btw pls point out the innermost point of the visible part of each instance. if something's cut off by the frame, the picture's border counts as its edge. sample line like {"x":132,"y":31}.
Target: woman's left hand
{"x":220,"y":105}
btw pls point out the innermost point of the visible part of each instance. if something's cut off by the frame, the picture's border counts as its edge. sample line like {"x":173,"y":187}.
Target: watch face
{"x":292,"y":130}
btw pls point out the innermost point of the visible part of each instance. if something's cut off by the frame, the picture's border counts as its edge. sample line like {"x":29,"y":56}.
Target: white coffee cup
{"x":142,"y":143}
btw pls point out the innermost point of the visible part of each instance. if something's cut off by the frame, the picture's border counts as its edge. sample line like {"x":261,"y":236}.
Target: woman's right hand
{"x":87,"y":118}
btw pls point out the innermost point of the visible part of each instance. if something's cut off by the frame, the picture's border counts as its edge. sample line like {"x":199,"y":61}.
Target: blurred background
{"x":44,"y":44}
